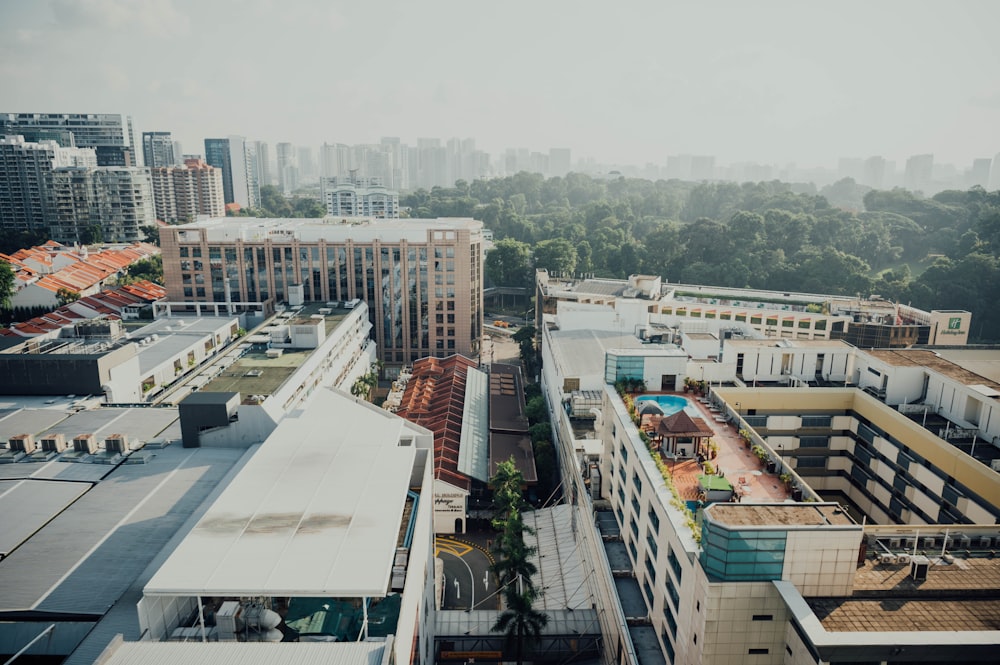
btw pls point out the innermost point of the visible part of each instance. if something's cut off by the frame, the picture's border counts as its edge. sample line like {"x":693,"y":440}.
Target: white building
{"x":311,"y":528}
{"x":105,"y":204}
{"x":783,"y":580}
{"x":359,"y":197}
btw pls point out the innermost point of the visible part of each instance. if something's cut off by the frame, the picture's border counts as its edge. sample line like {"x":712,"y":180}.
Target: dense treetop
{"x":941,"y":252}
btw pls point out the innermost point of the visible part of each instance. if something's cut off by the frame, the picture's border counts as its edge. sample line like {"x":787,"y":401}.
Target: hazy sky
{"x":620,"y":81}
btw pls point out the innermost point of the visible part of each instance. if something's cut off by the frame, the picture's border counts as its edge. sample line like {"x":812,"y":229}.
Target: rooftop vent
{"x":54,"y":442}
{"x":85,"y":443}
{"x":116,"y":443}
{"x":24,"y":443}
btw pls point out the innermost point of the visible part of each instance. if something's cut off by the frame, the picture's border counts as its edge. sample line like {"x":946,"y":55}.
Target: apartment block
{"x":23,"y":169}
{"x":359,"y":197}
{"x":105,"y":204}
{"x":109,"y":134}
{"x":181,"y":194}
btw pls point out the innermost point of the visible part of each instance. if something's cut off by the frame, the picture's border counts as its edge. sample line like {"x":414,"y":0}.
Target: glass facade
{"x":618,"y":368}
{"x":742,"y":555}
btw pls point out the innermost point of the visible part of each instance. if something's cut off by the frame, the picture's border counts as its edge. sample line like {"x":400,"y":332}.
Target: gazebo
{"x":682,"y":435}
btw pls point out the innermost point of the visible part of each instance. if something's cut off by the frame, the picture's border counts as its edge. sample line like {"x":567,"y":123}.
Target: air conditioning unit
{"x":116,"y":443}
{"x":23,"y":443}
{"x":984,"y":542}
{"x":887,"y":559}
{"x":961,"y":541}
{"x":85,"y":443}
{"x":894,"y":543}
{"x":903,"y":559}
{"x":53,"y":442}
{"x":226,"y":620}
{"x":928,"y":542}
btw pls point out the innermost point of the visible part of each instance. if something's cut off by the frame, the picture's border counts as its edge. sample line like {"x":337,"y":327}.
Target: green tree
{"x":509,"y":263}
{"x":65,"y":296}
{"x":557,"y":256}
{"x":6,"y":284}
{"x":151,"y":269}
{"x":521,"y":623}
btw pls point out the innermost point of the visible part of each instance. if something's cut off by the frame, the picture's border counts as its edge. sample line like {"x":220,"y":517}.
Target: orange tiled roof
{"x":435,"y":398}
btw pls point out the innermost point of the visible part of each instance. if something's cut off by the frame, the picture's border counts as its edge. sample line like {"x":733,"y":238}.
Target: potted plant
{"x":708,"y":468}
{"x":786,"y":478}
{"x":713,"y":449}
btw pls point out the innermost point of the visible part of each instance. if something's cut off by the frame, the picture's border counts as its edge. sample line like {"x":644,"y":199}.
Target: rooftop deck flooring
{"x":736,"y":462}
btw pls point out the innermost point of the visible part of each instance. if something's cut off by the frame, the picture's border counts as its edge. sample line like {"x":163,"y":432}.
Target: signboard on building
{"x":449,"y":503}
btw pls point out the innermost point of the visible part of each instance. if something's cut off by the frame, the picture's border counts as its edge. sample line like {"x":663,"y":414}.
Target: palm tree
{"x":520,"y":622}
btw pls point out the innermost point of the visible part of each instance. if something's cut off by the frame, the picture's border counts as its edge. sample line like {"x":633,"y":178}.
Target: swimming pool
{"x":670,"y":404}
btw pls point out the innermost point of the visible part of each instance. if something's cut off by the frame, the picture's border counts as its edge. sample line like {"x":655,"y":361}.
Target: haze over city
{"x":780,"y":82}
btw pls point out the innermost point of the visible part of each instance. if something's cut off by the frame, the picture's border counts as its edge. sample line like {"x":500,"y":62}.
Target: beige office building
{"x":421,"y":278}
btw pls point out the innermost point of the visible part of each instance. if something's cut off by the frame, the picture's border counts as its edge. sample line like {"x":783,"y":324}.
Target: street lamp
{"x":739,"y":414}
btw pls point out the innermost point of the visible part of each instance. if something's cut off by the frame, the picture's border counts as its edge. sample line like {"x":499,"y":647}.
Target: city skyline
{"x":802,"y":84}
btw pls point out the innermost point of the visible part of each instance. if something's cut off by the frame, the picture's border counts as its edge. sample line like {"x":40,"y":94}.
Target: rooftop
{"x":779,"y":514}
{"x":940,"y":362}
{"x":257,"y":374}
{"x":311,"y":514}
{"x":360,"y":229}
{"x":906,"y":614}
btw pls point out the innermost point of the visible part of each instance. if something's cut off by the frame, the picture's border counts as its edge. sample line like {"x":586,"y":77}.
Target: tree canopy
{"x":847,"y":239}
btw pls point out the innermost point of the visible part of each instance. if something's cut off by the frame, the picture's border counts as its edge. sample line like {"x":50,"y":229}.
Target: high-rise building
{"x":105,"y":204}
{"x":919,"y":171}
{"x":306,"y":163}
{"x":874,"y":172}
{"x":359,"y":197}
{"x":157,"y":150}
{"x":559,"y":161}
{"x":335,"y":160}
{"x":109,"y":134}
{"x":995,"y":173}
{"x":421,"y":278}
{"x":980,"y":173}
{"x":181,"y":194}
{"x":23,"y":166}
{"x":263,"y":163}
{"x":288,"y":177}
{"x":238,"y":161}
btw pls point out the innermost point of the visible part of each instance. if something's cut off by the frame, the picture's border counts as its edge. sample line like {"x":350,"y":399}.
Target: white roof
{"x":316,"y":512}
{"x":333,"y":229}
{"x":247,"y":653}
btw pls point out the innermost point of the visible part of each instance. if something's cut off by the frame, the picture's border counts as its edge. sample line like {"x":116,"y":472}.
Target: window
{"x":633,"y":527}
{"x":763,"y":617}
{"x":624,"y":453}
{"x":672,"y":592}
{"x":757,"y":652}
{"x":651,"y":571}
{"x":654,"y":520}
{"x":675,"y":565}
{"x":632,"y":549}
{"x":651,"y":541}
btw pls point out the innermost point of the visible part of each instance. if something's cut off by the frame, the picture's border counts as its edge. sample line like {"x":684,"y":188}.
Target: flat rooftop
{"x":254,"y":373}
{"x":963,"y":576}
{"x":939,"y":362}
{"x":580,"y":353}
{"x":359,"y":229}
{"x":779,"y":514}
{"x":905,"y":614}
{"x":88,"y":551}
{"x":173,"y":336}
{"x":316,"y":512}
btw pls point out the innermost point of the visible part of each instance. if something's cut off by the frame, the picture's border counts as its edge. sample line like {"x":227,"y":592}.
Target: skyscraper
{"x":874,"y":172}
{"x":23,"y":167}
{"x":157,"y":150}
{"x":109,"y":134}
{"x":919,"y":170}
{"x":980,"y":173}
{"x":559,"y":161}
{"x":263,"y":163}
{"x":288,"y":177}
{"x":238,"y":161}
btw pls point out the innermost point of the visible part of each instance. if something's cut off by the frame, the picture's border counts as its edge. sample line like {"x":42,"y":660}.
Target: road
{"x":468,"y":582}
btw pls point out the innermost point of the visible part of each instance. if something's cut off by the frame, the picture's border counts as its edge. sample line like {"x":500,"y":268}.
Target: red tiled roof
{"x":435,"y":398}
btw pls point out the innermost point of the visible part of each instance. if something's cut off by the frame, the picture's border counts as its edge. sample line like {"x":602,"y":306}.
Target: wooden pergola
{"x":682,"y":429}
